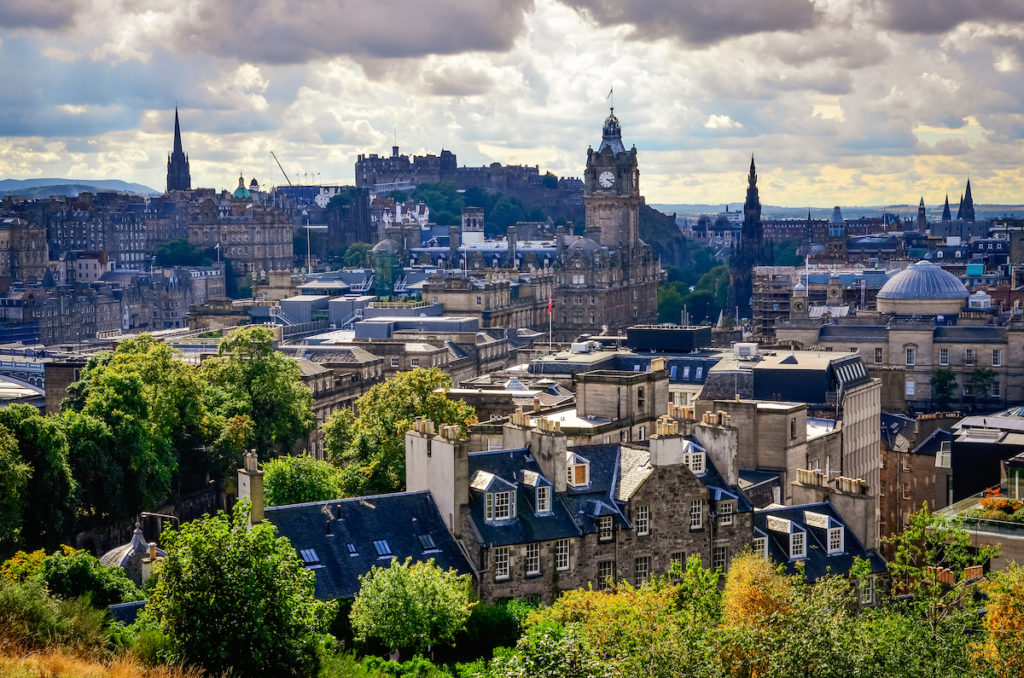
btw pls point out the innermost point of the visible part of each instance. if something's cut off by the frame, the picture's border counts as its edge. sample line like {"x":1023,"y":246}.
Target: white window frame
{"x":562,"y":555}
{"x":726,"y":511}
{"x":720,"y":558}
{"x":605,"y":528}
{"x":504,"y":506}
{"x":867,"y":591}
{"x":605,"y":573}
{"x":696,"y":514}
{"x":532,"y":561}
{"x":501,"y":562}
{"x":944,"y":356}
{"x":641,"y":569}
{"x":797,"y":545}
{"x":760,"y":546}
{"x":970,"y":357}
{"x":414,"y":362}
{"x":836,"y":540}
{"x":911,"y":356}
{"x":878,"y":355}
{"x":910,"y":387}
{"x":543,"y":499}
{"x":997,"y":357}
{"x":643,"y":521}
{"x":697,"y":461}
{"x":394,"y":362}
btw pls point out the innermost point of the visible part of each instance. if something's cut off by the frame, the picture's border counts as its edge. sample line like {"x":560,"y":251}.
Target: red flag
{"x":549,"y":304}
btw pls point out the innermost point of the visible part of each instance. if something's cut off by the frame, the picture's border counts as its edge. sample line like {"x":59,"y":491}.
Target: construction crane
{"x":281,"y":168}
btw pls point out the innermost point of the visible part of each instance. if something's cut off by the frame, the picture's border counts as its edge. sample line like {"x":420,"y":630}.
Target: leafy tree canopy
{"x":444,"y":200}
{"x":300,"y":479}
{"x":355,"y":255}
{"x":14,"y":477}
{"x":411,"y":606}
{"x":234,"y":597}
{"x":180,"y":252}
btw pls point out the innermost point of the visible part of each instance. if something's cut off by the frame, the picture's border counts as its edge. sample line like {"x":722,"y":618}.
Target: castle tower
{"x":178,"y":177}
{"x":611,"y":192}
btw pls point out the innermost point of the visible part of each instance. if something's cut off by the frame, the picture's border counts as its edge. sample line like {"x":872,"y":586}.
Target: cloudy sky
{"x":841,"y":101}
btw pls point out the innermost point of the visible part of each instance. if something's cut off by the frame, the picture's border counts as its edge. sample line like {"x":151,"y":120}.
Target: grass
{"x":57,"y":664}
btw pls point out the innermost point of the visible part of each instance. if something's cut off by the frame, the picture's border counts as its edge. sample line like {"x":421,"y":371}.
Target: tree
{"x":234,"y":597}
{"x":981,"y":382}
{"x":43,"y":446}
{"x":549,"y":180}
{"x":300,"y":479}
{"x":411,"y":606}
{"x":1000,"y":651}
{"x":355,"y":255}
{"x":180,"y":252}
{"x":14,"y":477}
{"x":444,"y":200}
{"x":756,"y":592}
{"x":372,"y":446}
{"x":943,"y":387}
{"x":72,"y":573}
{"x":248,"y":377}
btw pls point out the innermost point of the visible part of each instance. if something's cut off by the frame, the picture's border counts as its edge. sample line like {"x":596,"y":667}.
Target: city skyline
{"x":841,"y":102}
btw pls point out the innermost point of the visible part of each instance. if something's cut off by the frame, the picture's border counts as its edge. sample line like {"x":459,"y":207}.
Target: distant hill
{"x":849,"y":211}
{"x":44,"y":188}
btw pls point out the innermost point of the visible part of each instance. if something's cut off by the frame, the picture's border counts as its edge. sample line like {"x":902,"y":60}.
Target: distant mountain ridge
{"x":849,"y":211}
{"x":44,"y":188}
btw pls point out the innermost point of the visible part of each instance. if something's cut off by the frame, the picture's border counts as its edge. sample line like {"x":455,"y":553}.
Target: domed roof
{"x":241,"y":193}
{"x":584,"y":245}
{"x":923,"y":280}
{"x":611,"y":135}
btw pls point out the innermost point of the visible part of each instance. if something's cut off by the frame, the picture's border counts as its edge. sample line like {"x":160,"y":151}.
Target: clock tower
{"x":611,"y":190}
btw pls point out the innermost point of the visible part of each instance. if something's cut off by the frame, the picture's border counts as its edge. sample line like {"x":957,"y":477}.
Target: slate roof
{"x":983,"y":334}
{"x":397,"y":519}
{"x":818,"y":562}
{"x":931,"y":445}
{"x":126,"y":613}
{"x":892,"y":425}
{"x":855,"y":332}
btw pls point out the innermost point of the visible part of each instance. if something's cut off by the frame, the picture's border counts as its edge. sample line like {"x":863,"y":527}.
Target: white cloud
{"x":717,"y":121}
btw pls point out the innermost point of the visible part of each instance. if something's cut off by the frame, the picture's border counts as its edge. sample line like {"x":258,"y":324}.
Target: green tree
{"x":180,"y":252}
{"x":670,"y":302}
{"x":14,"y":477}
{"x":234,"y":597}
{"x":355,"y":255}
{"x":549,"y":180}
{"x":981,"y":380}
{"x":43,"y":446}
{"x":71,"y":573}
{"x":444,"y":200}
{"x":943,"y":387}
{"x":411,"y":606}
{"x":300,"y":479}
{"x":371,"y":447}
{"x":507,"y":210}
{"x":248,"y":377}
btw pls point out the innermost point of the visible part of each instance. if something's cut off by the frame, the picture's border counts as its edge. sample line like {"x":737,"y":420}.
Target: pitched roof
{"x":365,"y":532}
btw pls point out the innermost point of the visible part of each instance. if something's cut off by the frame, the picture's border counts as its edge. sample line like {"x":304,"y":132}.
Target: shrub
{"x":31,"y":618}
{"x":72,"y":573}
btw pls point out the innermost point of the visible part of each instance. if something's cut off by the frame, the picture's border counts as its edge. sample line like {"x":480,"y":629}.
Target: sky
{"x":867,"y":102}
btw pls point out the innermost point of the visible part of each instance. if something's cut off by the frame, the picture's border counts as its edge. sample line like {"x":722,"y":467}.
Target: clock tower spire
{"x":611,"y":190}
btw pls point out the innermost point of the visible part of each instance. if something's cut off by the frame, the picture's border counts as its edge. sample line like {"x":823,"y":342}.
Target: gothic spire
{"x":177,"y":133}
{"x":178,"y":176}
{"x":946,"y":216}
{"x":968,"y":203}
{"x":960,"y":209}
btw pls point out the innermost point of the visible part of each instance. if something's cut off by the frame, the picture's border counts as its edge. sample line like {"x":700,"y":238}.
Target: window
{"x":394,"y":362}
{"x":700,"y":373}
{"x":910,"y":387}
{"x":720,"y":558}
{"x":792,"y":429}
{"x":867,"y":591}
{"x":578,"y":279}
{"x":415,"y":362}
{"x":382,"y":547}
{"x":427,"y":542}
{"x":643,"y":521}
{"x":696,"y":461}
{"x":479,"y":301}
{"x":502,"y":505}
{"x":760,"y":546}
{"x":835,"y":540}
{"x":543,"y":499}
{"x":605,"y":573}
{"x":969,"y":356}
{"x":943,"y":356}
{"x":696,"y":514}
{"x":532,"y":559}
{"x":996,"y":390}
{"x":997,"y":357}
{"x":605,"y":530}
{"x":640,"y":397}
{"x":562,"y":554}
{"x":352,"y":551}
{"x":911,"y":356}
{"x":641,"y":570}
{"x":579,"y":475}
{"x":309,"y":557}
{"x":677,"y":558}
{"x":725,"y":512}
{"x":797,"y":545}
{"x":501,"y":562}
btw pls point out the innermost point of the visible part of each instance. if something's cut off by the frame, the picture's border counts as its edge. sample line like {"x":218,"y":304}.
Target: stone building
{"x":546,"y":518}
{"x":24,"y":253}
{"x":251,"y":236}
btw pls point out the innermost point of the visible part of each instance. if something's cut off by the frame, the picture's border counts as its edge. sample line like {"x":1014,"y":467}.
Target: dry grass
{"x":57,"y":664}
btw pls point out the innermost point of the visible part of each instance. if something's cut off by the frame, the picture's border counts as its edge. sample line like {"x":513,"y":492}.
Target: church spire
{"x":177,"y":133}
{"x":946,"y":215}
{"x":960,"y":208}
{"x":968,"y":203}
{"x":178,"y":176}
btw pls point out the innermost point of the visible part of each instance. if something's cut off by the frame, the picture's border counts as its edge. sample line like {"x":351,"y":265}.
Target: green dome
{"x":241,"y":193}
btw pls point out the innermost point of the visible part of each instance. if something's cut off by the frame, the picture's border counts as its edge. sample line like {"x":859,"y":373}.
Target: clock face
{"x":607,"y":179}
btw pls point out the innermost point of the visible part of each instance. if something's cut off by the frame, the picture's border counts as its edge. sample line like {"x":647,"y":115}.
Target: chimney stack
{"x":250,"y":486}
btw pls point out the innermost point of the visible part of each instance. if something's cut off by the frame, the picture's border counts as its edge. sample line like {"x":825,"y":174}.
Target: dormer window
{"x":835,"y":540}
{"x":578,"y":472}
{"x":696,"y":461}
{"x":760,"y":546}
{"x":726,"y":510}
{"x":543,"y":499}
{"x":797,"y":545}
{"x":499,"y":506}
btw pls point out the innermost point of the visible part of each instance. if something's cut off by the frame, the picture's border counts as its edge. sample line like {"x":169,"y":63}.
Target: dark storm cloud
{"x":699,"y":22}
{"x":939,"y":16}
{"x":27,"y":14}
{"x":276,"y":31}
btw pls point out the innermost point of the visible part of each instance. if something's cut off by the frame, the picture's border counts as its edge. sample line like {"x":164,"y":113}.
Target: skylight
{"x":427,"y":542}
{"x":382,"y":548}
{"x":309,"y":557}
